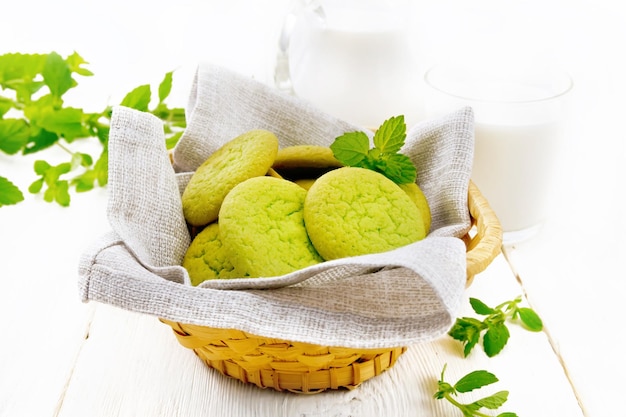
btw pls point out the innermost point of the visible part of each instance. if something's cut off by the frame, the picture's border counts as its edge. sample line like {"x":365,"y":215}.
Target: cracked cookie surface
{"x":355,"y":211}
{"x":206,"y":258}
{"x":246,"y":156}
{"x":262,"y":227}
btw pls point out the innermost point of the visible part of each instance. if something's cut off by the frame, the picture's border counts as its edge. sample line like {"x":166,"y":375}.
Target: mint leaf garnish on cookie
{"x":353,"y":149}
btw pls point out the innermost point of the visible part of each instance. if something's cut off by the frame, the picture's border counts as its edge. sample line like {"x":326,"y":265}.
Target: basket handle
{"x":487,"y":243}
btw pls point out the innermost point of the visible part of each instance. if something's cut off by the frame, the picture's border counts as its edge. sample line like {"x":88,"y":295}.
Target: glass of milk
{"x":350,"y":58}
{"x":519,"y":115}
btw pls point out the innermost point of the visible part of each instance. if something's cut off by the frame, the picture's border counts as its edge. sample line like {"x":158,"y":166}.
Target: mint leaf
{"x":390,"y":136}
{"x":531,"y":320}
{"x":495,"y":339}
{"x":172,"y":140}
{"x":66,"y":122}
{"x":14,"y":135}
{"x":494,"y":401}
{"x":75,"y":62}
{"x":497,"y":334}
{"x":138,"y":98}
{"x":165,"y":87}
{"x":475,"y":380}
{"x":36,"y":186}
{"x":351,"y":148}
{"x":57,"y":75}
{"x":398,"y":168}
{"x":41,"y":121}
{"x":9,"y":193}
{"x":57,"y":189}
{"x":470,"y":382}
{"x":40,"y":141}
{"x":5,"y":105}
{"x":481,"y":308}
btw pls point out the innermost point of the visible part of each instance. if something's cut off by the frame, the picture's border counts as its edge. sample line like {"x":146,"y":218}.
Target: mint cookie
{"x":206,"y":259}
{"x":262,"y":227}
{"x":355,"y":211}
{"x":248,"y":155}
{"x":418,"y":197}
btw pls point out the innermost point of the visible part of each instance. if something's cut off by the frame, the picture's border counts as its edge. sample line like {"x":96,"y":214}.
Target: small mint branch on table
{"x":470,"y":382}
{"x":34,"y":117}
{"x":353,"y":149}
{"x":493,"y":328}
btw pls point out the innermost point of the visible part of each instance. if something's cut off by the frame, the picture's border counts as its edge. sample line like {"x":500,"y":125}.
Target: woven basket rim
{"x":486,"y":244}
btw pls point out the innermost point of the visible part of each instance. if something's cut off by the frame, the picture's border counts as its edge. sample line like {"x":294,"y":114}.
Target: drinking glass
{"x":520,"y":112}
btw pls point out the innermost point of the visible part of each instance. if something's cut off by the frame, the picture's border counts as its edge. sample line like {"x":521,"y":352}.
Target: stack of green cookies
{"x":264,"y":211}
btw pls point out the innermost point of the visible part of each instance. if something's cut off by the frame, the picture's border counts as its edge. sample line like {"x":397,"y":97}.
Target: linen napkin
{"x":390,"y":299}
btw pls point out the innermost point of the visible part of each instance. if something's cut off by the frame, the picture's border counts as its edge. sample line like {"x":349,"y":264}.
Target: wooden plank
{"x":44,"y":322}
{"x":132,"y":365}
{"x":576,"y":281}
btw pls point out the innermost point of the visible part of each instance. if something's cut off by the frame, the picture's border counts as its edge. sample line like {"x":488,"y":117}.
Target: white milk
{"x":356,"y":65}
{"x":519,"y":113}
{"x":514,"y":167}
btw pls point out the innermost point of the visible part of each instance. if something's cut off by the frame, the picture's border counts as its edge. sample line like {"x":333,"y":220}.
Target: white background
{"x":129,"y":43}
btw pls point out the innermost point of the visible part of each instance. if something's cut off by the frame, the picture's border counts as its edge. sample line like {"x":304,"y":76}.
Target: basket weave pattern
{"x":309,"y":368}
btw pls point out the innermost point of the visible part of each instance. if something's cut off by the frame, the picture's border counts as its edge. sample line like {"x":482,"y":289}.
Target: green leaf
{"x":75,"y":63}
{"x":5,"y":105}
{"x":481,"y":308}
{"x":40,"y":141}
{"x":495,"y":339}
{"x":20,"y":68}
{"x":36,"y":186}
{"x":493,"y":401}
{"x":81,"y":160}
{"x":66,"y":122}
{"x":351,"y":148}
{"x":9,"y":193}
{"x":41,"y":167}
{"x":102,"y":168}
{"x":14,"y":135}
{"x":61,"y":193}
{"x":165,"y":87}
{"x":390,"y":136}
{"x":57,"y":75}
{"x":138,"y":98}
{"x":475,"y":380}
{"x":473,"y":337}
{"x":465,"y":327}
{"x":507,"y":414}
{"x":172,"y":140}
{"x":399,"y":168}
{"x":531,"y":320}
{"x":98,"y":173}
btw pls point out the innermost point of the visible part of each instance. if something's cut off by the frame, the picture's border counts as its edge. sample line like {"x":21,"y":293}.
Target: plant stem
{"x":463,"y":407}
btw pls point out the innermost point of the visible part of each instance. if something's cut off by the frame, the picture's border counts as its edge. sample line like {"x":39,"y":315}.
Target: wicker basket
{"x":308,"y":368}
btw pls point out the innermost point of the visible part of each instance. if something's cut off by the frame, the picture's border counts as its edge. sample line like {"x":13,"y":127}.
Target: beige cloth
{"x":390,"y":299}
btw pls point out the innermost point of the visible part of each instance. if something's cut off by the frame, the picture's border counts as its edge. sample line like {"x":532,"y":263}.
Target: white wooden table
{"x":59,"y":357}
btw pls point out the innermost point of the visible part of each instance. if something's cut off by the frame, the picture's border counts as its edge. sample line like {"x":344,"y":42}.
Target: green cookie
{"x":311,"y":156}
{"x":355,"y":211}
{"x":248,"y":155}
{"x":418,"y":197}
{"x":262,"y":227}
{"x":304,"y":161}
{"x":206,"y":259}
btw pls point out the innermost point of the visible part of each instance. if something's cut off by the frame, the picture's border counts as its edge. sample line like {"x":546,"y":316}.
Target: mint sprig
{"x":472,"y":381}
{"x":353,"y":149}
{"x":468,"y":330}
{"x":35,"y":117}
